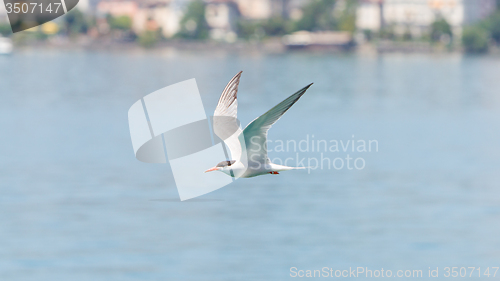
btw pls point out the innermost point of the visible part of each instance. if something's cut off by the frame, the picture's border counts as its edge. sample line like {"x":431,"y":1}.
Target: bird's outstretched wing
{"x":225,"y":122}
{"x":255,"y":134}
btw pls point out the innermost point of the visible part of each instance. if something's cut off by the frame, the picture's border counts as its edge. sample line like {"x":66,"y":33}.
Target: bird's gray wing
{"x":225,"y":122}
{"x":255,"y":134}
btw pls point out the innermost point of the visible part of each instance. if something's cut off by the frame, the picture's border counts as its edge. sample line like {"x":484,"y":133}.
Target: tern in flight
{"x":248,"y":147}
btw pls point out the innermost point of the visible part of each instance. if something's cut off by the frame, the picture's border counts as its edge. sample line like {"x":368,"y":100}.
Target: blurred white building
{"x":264,"y":9}
{"x":163,"y":14}
{"x":255,"y":9}
{"x":83,"y":5}
{"x":222,"y":17}
{"x":416,"y":16}
{"x":117,"y":8}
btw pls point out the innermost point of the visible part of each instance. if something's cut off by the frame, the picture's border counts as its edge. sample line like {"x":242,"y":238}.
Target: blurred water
{"x":76,"y":204}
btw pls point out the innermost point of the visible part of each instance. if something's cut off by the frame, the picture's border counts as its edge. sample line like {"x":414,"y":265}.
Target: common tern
{"x":248,"y":147}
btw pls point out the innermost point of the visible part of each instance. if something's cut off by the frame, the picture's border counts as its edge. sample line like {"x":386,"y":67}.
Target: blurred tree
{"x":39,"y":35}
{"x":475,"y":39}
{"x":75,"y":22}
{"x":368,"y":34}
{"x":347,"y":19}
{"x":387,"y":32}
{"x":119,"y":23}
{"x":439,"y":28}
{"x":494,"y":27}
{"x":149,"y":38}
{"x":317,"y":15}
{"x":247,"y":29}
{"x":194,"y":24}
{"x":5,"y":29}
{"x":407,"y":36}
{"x":121,"y":28}
{"x":276,"y":26}
{"x":348,"y":23}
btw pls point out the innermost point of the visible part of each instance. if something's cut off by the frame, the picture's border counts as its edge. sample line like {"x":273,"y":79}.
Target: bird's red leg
{"x":274,"y":173}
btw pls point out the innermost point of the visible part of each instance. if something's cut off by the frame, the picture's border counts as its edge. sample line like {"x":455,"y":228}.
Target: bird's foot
{"x":274,"y":173}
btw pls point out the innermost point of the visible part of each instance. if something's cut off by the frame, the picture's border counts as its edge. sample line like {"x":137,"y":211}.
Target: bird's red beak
{"x":212,"y":169}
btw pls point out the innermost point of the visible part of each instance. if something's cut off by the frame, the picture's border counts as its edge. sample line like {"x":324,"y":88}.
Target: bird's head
{"x":224,"y":166}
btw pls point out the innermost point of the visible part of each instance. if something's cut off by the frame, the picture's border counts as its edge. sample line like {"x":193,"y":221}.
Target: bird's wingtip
{"x":307,"y":87}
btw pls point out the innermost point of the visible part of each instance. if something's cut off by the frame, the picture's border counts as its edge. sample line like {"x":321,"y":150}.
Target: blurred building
{"x":222,"y":17}
{"x":117,"y":8}
{"x":257,"y":9}
{"x":83,"y":5}
{"x":264,"y":9}
{"x":162,"y":14}
{"x":416,"y":16}
{"x":145,"y":14}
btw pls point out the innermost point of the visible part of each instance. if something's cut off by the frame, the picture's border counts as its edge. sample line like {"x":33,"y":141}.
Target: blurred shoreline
{"x":270,"y":46}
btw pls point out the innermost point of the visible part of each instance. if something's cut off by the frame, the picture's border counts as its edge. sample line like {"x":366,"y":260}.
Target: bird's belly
{"x":253,"y":171}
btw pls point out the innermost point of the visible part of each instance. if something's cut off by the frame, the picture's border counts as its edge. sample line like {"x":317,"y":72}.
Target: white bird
{"x":248,"y":147}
